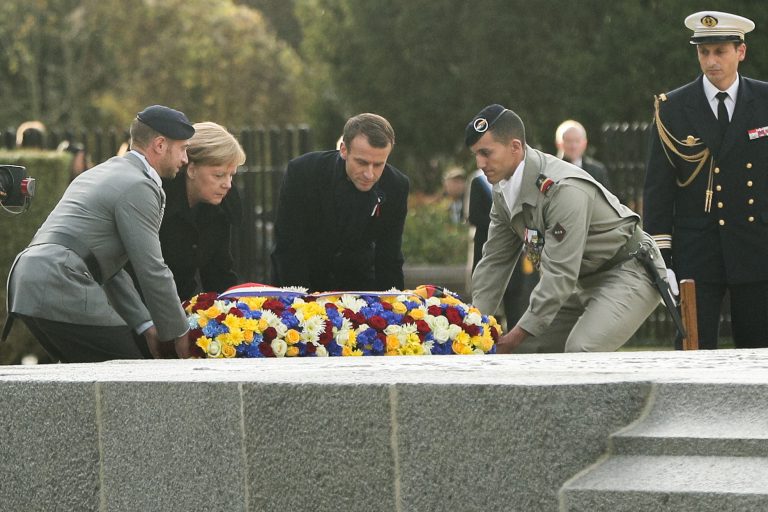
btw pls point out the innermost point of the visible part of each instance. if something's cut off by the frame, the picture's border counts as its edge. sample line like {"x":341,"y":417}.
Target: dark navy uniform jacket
{"x":728,"y":244}
{"x":330,"y":236}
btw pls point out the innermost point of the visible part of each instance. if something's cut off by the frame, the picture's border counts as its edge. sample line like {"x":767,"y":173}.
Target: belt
{"x":70,"y":242}
{"x":627,"y":251}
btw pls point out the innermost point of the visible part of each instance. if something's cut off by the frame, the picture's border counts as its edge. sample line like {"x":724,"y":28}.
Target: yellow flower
{"x":417,"y":314}
{"x":233,"y":322}
{"x":263,"y":325}
{"x":292,"y":336}
{"x":463,"y":338}
{"x":399,"y":308}
{"x":254,"y":303}
{"x":310,"y":309}
{"x":460,"y":348}
{"x":484,"y":343}
{"x":349,"y":351}
{"x":393,"y":343}
{"x":233,"y":338}
{"x":214,"y":349}
{"x":203,"y":343}
{"x":292,"y":351}
{"x":228,"y":351}
{"x":211,"y":312}
{"x":450,"y":300}
{"x":202,"y":321}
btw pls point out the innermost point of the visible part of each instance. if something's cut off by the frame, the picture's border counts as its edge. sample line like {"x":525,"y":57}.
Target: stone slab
{"x":319,"y":448}
{"x":172,"y":446}
{"x":662,"y":483}
{"x":49,"y":454}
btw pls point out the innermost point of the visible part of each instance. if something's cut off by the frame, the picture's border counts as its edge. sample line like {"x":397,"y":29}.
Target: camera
{"x":16,"y":188}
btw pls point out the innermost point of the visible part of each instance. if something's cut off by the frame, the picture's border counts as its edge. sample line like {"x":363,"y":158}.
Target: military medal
{"x":534,"y":244}
{"x":756,"y":133}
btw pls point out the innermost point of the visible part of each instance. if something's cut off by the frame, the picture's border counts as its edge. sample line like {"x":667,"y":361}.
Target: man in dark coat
{"x":706,"y":188}
{"x":341,"y":214}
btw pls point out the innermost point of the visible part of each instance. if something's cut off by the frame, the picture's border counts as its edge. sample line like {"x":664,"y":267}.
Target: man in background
{"x":571,"y":142}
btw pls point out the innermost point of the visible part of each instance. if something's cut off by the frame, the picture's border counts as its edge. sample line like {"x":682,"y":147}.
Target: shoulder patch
{"x":663,"y":97}
{"x":544,"y":183}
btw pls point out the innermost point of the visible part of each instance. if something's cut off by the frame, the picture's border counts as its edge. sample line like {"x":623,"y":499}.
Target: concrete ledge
{"x":388,"y":433}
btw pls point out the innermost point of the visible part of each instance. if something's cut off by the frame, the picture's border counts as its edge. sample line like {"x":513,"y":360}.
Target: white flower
{"x":279,"y":347}
{"x":437,"y":322}
{"x":473,"y":319}
{"x":320,"y":351}
{"x":453,"y":331}
{"x":352,"y":302}
{"x":192,"y":320}
{"x":427,"y":347}
{"x":441,"y":334}
{"x":312,"y":329}
{"x":433,"y":301}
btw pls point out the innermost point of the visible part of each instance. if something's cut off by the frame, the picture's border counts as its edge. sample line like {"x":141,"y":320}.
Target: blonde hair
{"x":212,"y":144}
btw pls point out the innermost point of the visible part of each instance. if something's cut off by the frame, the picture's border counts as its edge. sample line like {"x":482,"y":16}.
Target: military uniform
{"x":706,"y":200}
{"x":592,"y":295}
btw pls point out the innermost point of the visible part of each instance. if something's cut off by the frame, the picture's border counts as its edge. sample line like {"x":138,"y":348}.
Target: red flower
{"x":495,"y":333}
{"x":202,"y":304}
{"x":273,"y":305}
{"x":327,"y":335}
{"x":472,"y":330}
{"x":355,"y":318}
{"x":331,"y":305}
{"x":408,"y":319}
{"x":269,"y":334}
{"x":221,"y":317}
{"x":197,"y":352}
{"x":435,"y":310}
{"x":377,"y":323}
{"x":311,"y":349}
{"x":387,"y":306}
{"x":236,"y":312}
{"x":422,"y":326}
{"x":453,"y":316}
{"x":266,"y":349}
{"x":194,"y":334}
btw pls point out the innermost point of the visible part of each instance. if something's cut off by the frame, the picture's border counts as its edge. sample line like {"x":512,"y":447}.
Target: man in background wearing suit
{"x":69,"y":286}
{"x":571,"y":142}
{"x":706,"y":186}
{"x":341,"y":214}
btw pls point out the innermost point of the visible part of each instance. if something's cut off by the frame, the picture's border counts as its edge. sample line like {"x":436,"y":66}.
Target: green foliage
{"x":51,"y":172}
{"x":430,"y":236}
{"x":430,"y":66}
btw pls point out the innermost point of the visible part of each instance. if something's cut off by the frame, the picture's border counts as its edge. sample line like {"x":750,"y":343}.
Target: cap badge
{"x":480,"y":124}
{"x":709,"y":21}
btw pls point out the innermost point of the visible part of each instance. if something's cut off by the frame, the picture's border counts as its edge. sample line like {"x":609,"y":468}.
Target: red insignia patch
{"x":559,"y":232}
{"x":545,"y":185}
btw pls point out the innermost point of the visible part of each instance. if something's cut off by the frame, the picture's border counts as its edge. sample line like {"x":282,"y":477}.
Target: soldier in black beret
{"x":593,"y":293}
{"x":706,"y":187}
{"x":70,"y":286}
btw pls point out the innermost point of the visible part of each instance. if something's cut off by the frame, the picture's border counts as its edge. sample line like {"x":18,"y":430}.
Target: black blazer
{"x":730,"y":243}
{"x":596,"y":169}
{"x":198,"y":239}
{"x":330,"y":236}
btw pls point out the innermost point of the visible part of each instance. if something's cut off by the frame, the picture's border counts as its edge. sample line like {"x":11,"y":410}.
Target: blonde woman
{"x":201,"y":209}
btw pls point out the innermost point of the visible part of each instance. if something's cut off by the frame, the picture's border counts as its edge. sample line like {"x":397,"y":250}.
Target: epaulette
{"x":544,"y":183}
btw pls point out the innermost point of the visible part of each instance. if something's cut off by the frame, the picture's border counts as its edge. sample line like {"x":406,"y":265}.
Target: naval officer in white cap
{"x":706,"y":187}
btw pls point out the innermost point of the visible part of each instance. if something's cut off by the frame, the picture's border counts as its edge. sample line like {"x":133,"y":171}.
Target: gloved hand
{"x":672,"y":279}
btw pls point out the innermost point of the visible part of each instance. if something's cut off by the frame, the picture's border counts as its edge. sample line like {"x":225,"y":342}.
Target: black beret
{"x":482,"y":122}
{"x":167,"y":121}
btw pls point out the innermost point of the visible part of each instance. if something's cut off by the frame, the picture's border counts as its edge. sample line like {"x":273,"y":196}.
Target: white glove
{"x":672,"y":279}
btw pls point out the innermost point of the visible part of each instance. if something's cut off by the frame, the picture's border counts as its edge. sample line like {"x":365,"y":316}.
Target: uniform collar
{"x":148,"y":169}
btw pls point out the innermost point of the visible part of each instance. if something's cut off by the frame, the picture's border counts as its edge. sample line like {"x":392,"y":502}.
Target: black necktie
{"x":722,"y":112}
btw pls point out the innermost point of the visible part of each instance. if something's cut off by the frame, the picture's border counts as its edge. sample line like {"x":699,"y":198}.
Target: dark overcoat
{"x":330,"y":236}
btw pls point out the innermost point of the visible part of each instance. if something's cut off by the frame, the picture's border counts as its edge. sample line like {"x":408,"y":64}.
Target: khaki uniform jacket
{"x":583,"y":225}
{"x":115,"y":210}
